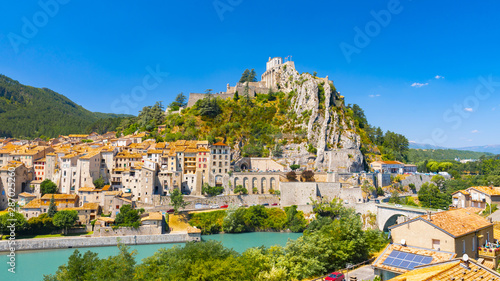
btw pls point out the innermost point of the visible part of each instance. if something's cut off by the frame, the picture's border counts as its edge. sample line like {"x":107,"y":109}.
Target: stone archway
{"x":263,"y":184}
{"x":393,"y":220}
{"x":272,"y":184}
{"x":246,"y":184}
{"x":254,"y":184}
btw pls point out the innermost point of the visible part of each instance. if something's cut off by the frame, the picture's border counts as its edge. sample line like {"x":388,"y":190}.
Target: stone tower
{"x":272,"y":66}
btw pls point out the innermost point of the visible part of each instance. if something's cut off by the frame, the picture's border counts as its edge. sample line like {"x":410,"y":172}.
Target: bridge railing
{"x":409,"y":207}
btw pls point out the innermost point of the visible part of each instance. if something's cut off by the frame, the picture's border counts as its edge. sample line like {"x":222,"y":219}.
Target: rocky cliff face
{"x":319,"y":110}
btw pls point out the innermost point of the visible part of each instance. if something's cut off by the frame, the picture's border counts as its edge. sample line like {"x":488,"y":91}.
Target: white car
{"x":215,"y":206}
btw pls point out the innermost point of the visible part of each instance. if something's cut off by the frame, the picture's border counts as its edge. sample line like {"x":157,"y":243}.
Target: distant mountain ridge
{"x":494,"y":149}
{"x":30,"y":112}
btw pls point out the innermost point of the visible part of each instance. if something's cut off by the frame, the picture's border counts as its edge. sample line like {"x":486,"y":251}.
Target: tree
{"x":99,"y":183}
{"x":212,"y":190}
{"x":439,"y":181}
{"x":291,"y":176}
{"x":128,"y":216}
{"x":18,"y":219}
{"x":65,"y":219}
{"x":255,"y":190}
{"x":307,"y":175}
{"x":395,"y":197}
{"x":240,"y":189}
{"x":48,"y":187}
{"x":177,"y":200}
{"x":180,"y":101}
{"x":151,"y":116}
{"x":295,"y":219}
{"x":208,"y":107}
{"x":430,"y":196}
{"x":380,"y":191}
{"x":294,"y":167}
{"x":248,"y":76}
{"x":367,"y":188}
{"x":52,"y":207}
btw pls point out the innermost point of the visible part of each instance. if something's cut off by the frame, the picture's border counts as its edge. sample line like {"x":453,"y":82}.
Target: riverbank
{"x":81,"y":242}
{"x":32,"y":265}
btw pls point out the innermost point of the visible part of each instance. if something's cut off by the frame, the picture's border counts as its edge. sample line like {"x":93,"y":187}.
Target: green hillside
{"x":30,"y":112}
{"x":418,"y":155}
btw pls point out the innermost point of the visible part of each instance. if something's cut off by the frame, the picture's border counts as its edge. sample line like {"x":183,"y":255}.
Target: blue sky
{"x":98,"y":54}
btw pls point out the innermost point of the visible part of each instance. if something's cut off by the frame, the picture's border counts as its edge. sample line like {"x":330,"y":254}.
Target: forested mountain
{"x":30,"y":112}
{"x":418,"y":155}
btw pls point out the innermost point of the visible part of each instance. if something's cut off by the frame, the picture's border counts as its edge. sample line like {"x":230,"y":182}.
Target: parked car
{"x":335,"y":276}
{"x":215,"y":206}
{"x":170,"y":211}
{"x":274,"y":204}
{"x":265,"y":204}
{"x":224,"y":206}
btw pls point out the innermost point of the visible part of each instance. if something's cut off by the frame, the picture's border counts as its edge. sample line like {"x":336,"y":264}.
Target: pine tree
{"x":52,"y":207}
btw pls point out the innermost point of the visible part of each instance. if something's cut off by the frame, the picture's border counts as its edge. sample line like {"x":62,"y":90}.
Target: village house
{"x":392,"y":167}
{"x":22,"y":175}
{"x":456,"y":232}
{"x":476,"y":196}
{"x":40,"y":206}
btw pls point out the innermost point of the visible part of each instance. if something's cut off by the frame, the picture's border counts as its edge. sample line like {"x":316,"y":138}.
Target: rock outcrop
{"x":319,"y":110}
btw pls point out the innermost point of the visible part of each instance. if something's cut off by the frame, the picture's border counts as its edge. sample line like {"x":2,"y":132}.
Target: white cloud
{"x":469,"y":109}
{"x":474,"y":131}
{"x":439,"y":77}
{"x":374,"y":96}
{"x":418,"y":85}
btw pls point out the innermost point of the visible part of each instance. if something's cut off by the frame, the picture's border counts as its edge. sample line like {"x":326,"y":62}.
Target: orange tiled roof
{"x":60,"y":196}
{"x":26,"y":194}
{"x":220,"y":143}
{"x":153,"y":216}
{"x":490,"y":190}
{"x":456,"y":222}
{"x":33,"y":204}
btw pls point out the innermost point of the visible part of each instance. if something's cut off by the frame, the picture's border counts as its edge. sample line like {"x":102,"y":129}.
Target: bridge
{"x":391,"y":214}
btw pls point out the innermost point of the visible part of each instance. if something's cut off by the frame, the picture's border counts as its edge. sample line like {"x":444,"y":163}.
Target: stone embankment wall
{"x":126,"y":231}
{"x":163,"y":202}
{"x":79,"y":242}
{"x":301,"y":193}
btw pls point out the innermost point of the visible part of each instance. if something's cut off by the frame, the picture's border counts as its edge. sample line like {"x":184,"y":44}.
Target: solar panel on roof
{"x":406,"y":261}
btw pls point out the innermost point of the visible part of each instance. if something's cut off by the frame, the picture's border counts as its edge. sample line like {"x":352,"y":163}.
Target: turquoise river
{"x":32,"y":265}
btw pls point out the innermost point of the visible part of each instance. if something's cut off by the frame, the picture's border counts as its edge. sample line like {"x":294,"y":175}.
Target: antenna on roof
{"x":465,"y":258}
{"x":403,"y":242}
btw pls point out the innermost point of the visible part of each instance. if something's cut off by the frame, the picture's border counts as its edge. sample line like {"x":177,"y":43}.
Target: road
{"x":363,"y":273}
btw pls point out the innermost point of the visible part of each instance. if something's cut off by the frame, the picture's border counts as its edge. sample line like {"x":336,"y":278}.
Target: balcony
{"x":490,"y":252}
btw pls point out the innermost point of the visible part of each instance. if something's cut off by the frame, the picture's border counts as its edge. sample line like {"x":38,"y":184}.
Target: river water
{"x":32,"y":265}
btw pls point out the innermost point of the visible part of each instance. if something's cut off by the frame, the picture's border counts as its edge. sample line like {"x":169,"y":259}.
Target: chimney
{"x":429,"y":215}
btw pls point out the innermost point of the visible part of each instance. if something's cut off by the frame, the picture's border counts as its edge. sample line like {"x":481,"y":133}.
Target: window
{"x":473,"y":242}
{"x":436,"y":244}
{"x":463,"y":246}
{"x":488,"y":236}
